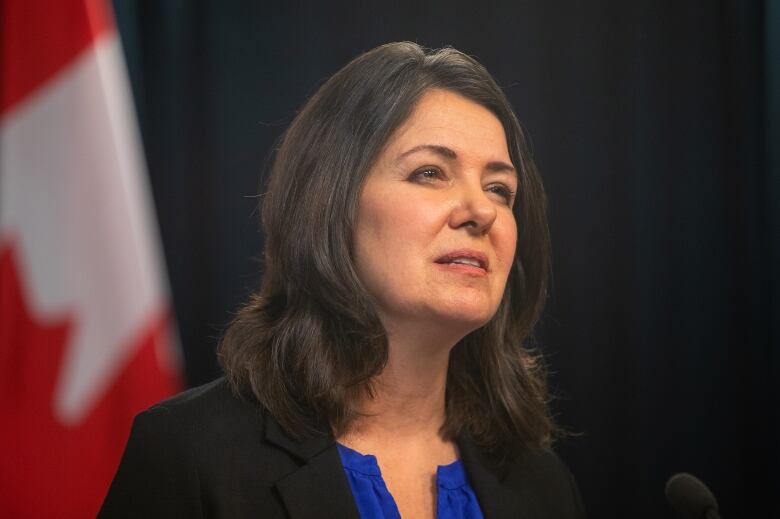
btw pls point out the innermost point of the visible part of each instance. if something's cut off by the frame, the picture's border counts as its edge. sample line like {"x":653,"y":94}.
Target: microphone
{"x":691,"y":498}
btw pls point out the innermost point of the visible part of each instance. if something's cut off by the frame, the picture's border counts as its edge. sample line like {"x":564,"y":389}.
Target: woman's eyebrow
{"x":500,"y":167}
{"x":449,"y":154}
{"x":438,"y":149}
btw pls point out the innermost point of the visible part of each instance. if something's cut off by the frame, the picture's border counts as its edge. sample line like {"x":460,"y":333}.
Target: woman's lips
{"x":467,"y":261}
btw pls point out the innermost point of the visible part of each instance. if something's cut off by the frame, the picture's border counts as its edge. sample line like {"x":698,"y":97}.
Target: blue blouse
{"x":455,"y":499}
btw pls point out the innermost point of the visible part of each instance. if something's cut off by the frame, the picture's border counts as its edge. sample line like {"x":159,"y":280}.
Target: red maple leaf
{"x":48,"y":469}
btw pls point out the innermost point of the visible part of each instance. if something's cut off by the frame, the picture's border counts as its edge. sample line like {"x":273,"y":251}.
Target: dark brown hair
{"x":309,"y":342}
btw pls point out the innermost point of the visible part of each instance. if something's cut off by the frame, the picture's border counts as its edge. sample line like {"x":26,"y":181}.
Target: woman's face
{"x":435,"y":235}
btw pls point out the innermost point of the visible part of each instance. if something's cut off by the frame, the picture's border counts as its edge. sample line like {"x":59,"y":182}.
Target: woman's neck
{"x":408,"y":401}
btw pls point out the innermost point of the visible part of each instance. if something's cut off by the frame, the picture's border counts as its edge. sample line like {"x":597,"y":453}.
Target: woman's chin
{"x":448,"y":319}
{"x":464,"y":318}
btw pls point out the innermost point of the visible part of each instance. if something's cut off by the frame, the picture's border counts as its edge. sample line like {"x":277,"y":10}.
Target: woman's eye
{"x":426,"y":174}
{"x":503,"y":191}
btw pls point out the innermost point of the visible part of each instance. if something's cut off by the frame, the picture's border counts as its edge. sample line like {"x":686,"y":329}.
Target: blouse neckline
{"x":450,"y":476}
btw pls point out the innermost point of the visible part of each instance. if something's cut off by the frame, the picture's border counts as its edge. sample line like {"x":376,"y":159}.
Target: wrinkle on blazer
{"x":209,"y":454}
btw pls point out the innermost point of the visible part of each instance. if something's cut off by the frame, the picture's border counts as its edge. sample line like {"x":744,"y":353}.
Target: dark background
{"x":656,"y":126}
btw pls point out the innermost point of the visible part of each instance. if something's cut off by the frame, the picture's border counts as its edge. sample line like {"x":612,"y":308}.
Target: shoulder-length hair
{"x":309,"y":342}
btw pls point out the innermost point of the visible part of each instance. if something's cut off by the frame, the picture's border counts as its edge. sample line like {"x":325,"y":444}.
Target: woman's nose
{"x":473,"y":209}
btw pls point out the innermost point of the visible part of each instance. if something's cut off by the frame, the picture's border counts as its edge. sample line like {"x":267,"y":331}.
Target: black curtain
{"x":656,"y":126}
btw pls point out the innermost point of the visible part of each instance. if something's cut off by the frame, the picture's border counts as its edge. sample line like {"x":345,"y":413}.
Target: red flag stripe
{"x":38,"y":38}
{"x":71,"y":466}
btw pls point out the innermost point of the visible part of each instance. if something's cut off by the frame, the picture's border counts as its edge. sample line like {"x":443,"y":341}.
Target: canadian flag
{"x":86,"y":339}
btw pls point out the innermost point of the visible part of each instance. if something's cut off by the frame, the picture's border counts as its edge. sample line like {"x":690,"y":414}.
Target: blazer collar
{"x":301,"y":450}
{"x":487,"y":478}
{"x":318,"y":488}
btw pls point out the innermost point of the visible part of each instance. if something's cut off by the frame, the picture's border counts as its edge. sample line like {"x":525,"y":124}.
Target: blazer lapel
{"x":496,"y":500}
{"x":318,"y":488}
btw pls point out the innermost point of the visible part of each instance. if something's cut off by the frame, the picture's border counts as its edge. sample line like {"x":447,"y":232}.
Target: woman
{"x":380,"y":369}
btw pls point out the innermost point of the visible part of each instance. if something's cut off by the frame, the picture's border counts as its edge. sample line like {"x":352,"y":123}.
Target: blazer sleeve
{"x":545,"y":487}
{"x":157,"y":476}
{"x":558,"y":488}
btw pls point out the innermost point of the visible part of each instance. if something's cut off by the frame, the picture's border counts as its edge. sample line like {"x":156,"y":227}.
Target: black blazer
{"x":208,"y":454}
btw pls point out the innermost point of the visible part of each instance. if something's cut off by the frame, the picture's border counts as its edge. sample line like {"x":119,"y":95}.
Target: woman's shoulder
{"x":216,"y":393}
{"x":532,"y":483}
{"x":541,"y":476}
{"x":541,"y":462}
{"x":192,"y":452}
{"x":211,"y":411}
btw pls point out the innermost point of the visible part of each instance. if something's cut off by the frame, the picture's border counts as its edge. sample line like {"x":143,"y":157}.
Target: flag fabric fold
{"x":86,"y":336}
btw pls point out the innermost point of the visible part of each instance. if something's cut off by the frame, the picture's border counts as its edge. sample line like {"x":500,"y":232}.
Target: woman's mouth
{"x":466,"y":261}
